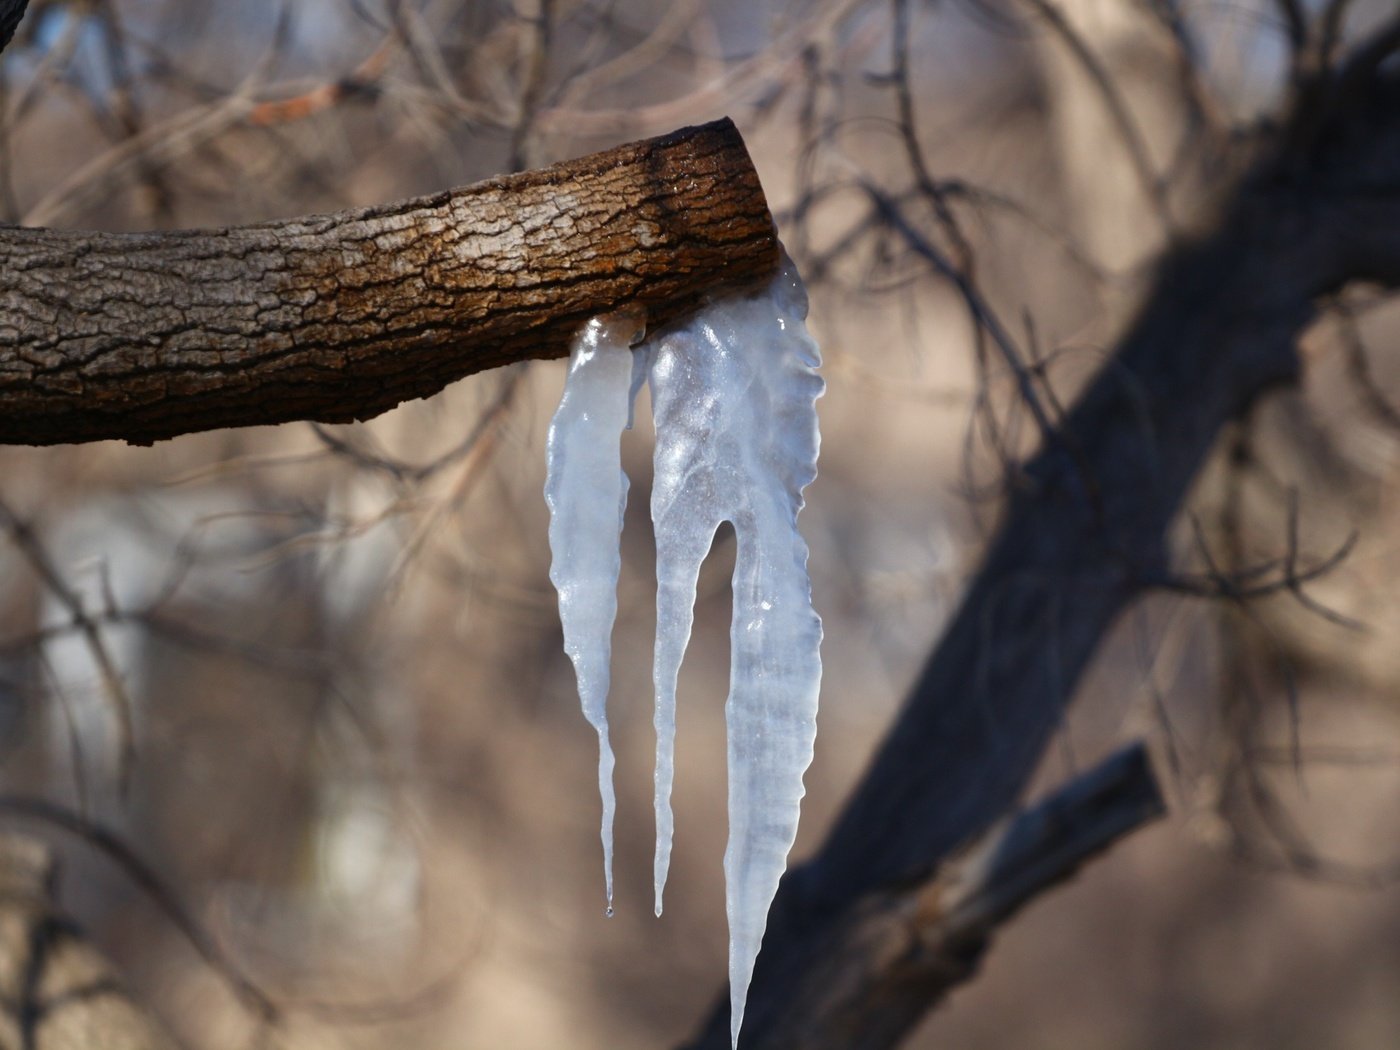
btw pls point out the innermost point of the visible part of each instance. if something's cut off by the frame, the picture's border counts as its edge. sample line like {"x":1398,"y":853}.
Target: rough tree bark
{"x":1083,"y":535}
{"x":341,"y":317}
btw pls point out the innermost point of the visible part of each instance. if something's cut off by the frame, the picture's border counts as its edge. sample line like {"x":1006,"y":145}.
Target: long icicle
{"x":586,"y":490}
{"x":733,"y":393}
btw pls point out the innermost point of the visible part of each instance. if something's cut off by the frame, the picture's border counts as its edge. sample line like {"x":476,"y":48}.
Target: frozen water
{"x":733,"y":393}
{"x":587,"y":494}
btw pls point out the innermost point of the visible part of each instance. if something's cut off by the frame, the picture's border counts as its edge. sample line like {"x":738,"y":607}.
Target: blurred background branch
{"x":59,"y":993}
{"x":11,"y":11}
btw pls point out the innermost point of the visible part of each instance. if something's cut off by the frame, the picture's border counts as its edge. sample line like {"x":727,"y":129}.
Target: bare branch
{"x":931,"y":933}
{"x":533,"y":88}
{"x":33,"y":551}
{"x":1240,"y":584}
{"x":1152,"y":185}
{"x":1218,"y":328}
{"x":340,"y":317}
{"x":362,"y":80}
{"x":11,"y":11}
{"x":1330,"y":24}
{"x":69,"y":998}
{"x":1359,"y":369}
{"x":1295,"y":22}
{"x":57,"y":990}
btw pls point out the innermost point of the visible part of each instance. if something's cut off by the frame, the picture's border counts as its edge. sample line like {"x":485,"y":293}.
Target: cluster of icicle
{"x":733,"y":392}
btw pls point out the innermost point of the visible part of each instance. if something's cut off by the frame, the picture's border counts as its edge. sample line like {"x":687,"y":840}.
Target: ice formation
{"x":586,"y":490}
{"x":733,"y":392}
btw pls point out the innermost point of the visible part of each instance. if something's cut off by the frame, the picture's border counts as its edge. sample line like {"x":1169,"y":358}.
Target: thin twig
{"x":1152,"y":185}
{"x":34,"y":552}
{"x":112,"y":846}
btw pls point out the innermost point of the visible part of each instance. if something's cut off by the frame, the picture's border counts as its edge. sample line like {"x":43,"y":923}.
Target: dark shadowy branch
{"x":11,"y":11}
{"x":1218,"y":328}
{"x":1330,"y":24}
{"x":931,"y":933}
{"x":1275,"y":576}
{"x":1295,"y":23}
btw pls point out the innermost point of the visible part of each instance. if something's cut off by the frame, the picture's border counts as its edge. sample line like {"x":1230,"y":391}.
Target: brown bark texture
{"x":340,"y":317}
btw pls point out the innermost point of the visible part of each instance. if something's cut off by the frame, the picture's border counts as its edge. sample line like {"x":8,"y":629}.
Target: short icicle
{"x":733,"y":394}
{"x":586,"y":490}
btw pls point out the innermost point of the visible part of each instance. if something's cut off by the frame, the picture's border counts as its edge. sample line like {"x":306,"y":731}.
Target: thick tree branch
{"x":1083,"y":535}
{"x":340,"y":317}
{"x":942,"y":926}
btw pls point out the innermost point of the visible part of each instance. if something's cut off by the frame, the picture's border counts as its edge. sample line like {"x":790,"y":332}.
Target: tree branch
{"x":341,"y":317}
{"x":56,"y":990}
{"x":931,"y":934}
{"x":1083,"y":535}
{"x":11,"y":11}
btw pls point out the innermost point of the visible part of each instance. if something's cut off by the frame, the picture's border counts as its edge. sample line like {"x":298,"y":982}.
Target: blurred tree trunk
{"x":1085,"y":532}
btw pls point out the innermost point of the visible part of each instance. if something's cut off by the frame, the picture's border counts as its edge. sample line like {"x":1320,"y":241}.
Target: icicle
{"x":587,"y":494}
{"x":733,"y":394}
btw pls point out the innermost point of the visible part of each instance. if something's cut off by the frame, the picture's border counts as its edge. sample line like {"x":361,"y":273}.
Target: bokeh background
{"x":360,"y":761}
